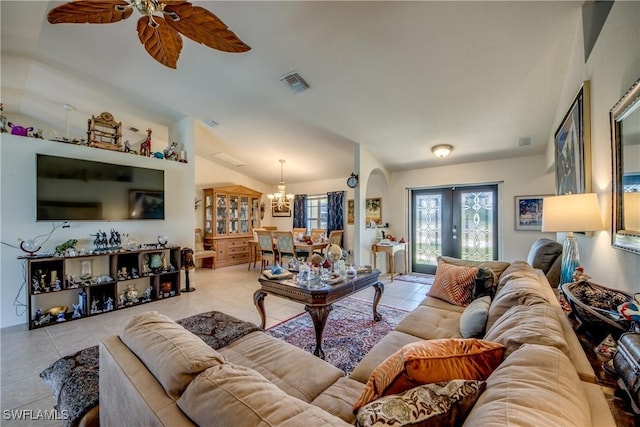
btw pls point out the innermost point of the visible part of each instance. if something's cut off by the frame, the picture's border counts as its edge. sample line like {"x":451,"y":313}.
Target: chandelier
{"x":280,"y":200}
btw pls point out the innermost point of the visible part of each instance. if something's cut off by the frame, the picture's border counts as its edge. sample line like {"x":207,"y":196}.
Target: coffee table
{"x":317,"y":298}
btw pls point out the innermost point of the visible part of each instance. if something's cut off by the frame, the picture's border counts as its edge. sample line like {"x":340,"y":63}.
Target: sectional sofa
{"x":157,"y":373}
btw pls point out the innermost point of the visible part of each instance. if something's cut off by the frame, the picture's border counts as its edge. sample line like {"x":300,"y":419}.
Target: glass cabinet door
{"x":221,"y":214}
{"x":244,"y":214}
{"x":234,"y":214}
{"x":208,"y":214}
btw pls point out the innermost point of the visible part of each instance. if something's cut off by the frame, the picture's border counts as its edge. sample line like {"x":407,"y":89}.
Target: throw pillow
{"x":454,"y":283}
{"x":474,"y":318}
{"x":74,"y":381}
{"x":438,"y":404}
{"x":430,"y":361}
{"x":171,"y":353}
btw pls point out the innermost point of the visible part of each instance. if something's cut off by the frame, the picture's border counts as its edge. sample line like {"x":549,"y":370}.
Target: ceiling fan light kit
{"x":442,"y":150}
{"x":160,"y":35}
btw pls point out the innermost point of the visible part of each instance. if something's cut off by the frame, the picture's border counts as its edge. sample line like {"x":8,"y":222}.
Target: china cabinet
{"x":87,"y":285}
{"x":233,"y":213}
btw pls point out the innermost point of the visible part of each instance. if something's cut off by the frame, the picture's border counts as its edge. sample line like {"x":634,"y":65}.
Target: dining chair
{"x":335,"y":237}
{"x":286,"y":246}
{"x":317,"y":234}
{"x":208,"y":256}
{"x":268,"y":252}
{"x":297,"y":232}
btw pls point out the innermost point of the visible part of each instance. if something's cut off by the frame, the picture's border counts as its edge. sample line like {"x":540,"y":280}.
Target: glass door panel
{"x":208,"y":215}
{"x":244,"y":214}
{"x":233,"y":214}
{"x":460,"y":222}
{"x":221,"y":214}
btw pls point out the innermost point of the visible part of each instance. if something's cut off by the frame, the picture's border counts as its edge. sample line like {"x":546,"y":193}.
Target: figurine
{"x":76,"y":311}
{"x":37,"y":134}
{"x":60,"y":317}
{"x":147,"y":294}
{"x":38,"y":316}
{"x":171,"y":153}
{"x":3,"y":120}
{"x":145,"y":147}
{"x":44,"y":320}
{"x":57,"y":286}
{"x":20,"y":130}
{"x":108,"y":304}
{"x":132,"y":296}
{"x":122,"y":299}
{"x":134,"y":273}
{"x":35,"y":286}
{"x":94,"y":306}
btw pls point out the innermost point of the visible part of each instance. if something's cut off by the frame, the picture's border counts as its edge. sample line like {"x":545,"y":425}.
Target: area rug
{"x":423,"y":279}
{"x":349,"y":334}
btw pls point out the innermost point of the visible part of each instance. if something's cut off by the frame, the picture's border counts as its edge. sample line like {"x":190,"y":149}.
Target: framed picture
{"x":529,"y":212}
{"x":374,"y":210}
{"x":573,"y":147}
{"x":284,"y":211}
{"x":351,"y":216}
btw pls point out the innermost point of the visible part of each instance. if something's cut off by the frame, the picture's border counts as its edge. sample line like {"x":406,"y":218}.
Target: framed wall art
{"x":280,"y":211}
{"x":529,"y":212}
{"x":351,"y":211}
{"x":374,"y":210}
{"x":573,"y":146}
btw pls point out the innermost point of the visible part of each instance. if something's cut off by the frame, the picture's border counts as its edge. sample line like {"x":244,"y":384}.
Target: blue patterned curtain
{"x":335,"y":211}
{"x":300,"y":211}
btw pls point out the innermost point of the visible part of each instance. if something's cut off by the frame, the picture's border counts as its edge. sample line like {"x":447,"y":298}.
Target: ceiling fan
{"x":159,"y":35}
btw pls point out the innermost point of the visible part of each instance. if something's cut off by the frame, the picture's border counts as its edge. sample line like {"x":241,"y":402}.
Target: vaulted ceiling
{"x":396,"y":77}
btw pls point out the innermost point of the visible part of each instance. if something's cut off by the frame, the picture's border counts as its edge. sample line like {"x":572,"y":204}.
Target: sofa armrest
{"x":129,"y":394}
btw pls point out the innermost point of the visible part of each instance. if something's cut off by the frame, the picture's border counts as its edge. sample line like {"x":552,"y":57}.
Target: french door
{"x":454,"y":221}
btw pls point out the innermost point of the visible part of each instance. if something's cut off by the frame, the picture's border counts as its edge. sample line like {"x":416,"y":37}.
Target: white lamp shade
{"x":631,"y":211}
{"x":571,"y":212}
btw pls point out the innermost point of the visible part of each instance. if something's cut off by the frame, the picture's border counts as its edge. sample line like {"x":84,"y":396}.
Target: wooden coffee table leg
{"x":379,"y":287}
{"x":319,"y":316}
{"x":258,"y":300}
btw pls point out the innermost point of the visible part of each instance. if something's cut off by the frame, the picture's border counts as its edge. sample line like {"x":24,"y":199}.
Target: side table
{"x":390,"y":250}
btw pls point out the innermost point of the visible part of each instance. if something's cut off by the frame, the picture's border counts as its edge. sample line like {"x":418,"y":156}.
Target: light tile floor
{"x":24,"y":354}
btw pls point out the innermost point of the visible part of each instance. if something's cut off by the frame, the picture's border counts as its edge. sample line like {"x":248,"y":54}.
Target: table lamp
{"x":569,"y":213}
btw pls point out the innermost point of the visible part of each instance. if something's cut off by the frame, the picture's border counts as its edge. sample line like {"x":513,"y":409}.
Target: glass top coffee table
{"x":317,"y":298}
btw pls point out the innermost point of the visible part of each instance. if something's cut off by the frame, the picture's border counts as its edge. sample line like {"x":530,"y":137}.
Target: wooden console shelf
{"x":99,"y":282}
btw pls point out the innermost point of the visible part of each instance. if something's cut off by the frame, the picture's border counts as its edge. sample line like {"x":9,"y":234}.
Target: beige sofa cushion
{"x":519,"y":285}
{"x":338,"y":399}
{"x":535,"y":386}
{"x":430,"y":322}
{"x":528,"y":324}
{"x":171,"y":353}
{"x":300,"y":376}
{"x":232,"y":395}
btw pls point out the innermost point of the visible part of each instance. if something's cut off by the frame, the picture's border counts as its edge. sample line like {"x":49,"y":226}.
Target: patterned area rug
{"x":349,"y":334}
{"x":424,"y":279}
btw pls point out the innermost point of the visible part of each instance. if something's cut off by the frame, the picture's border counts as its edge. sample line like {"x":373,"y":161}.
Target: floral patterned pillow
{"x":436,"y":404}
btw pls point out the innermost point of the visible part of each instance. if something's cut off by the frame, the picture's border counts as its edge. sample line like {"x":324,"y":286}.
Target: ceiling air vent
{"x":525,"y":141}
{"x":135,"y":130}
{"x":295,"y":82}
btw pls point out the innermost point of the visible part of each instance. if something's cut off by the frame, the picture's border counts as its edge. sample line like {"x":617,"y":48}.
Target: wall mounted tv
{"x":83,"y":190}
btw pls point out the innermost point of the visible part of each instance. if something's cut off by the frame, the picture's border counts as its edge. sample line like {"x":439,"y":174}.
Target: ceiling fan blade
{"x":202,"y":26}
{"x":92,"y":12}
{"x":161,"y":41}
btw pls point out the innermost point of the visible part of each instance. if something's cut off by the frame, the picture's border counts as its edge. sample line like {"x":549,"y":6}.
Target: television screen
{"x":74,"y":189}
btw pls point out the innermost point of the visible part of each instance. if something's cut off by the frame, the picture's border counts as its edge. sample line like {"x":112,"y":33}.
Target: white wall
{"x":18,"y":211}
{"x":613,"y":66}
{"x":518,"y":177}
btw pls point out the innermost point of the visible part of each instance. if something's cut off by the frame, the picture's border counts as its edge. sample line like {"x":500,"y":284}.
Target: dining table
{"x":309,"y":248}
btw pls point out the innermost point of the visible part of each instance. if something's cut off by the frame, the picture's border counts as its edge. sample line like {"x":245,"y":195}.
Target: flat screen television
{"x":83,"y":190}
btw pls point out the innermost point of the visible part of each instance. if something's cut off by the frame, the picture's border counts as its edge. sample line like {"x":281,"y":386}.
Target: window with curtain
{"x":317,"y":207}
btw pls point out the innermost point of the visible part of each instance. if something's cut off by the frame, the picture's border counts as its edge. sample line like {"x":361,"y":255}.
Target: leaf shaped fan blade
{"x":92,"y":12}
{"x":162,"y":42}
{"x":204,"y":27}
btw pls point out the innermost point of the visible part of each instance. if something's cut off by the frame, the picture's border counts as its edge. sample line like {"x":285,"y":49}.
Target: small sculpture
{"x":20,"y":130}
{"x":132,"y":296}
{"x":108,"y":306}
{"x":122,"y":299}
{"x":147,"y":294}
{"x":35,"y":286}
{"x":76,"y":311}
{"x":38,"y":316}
{"x":3,"y":120}
{"x":94,"y":306}
{"x":57,"y":285}
{"x":134,"y":273}
{"x":145,"y":147}
{"x":171,"y":152}
{"x":37,"y":134}
{"x":60,"y":317}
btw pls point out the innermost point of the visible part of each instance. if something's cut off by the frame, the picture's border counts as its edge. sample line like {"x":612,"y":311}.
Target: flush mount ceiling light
{"x":442,"y":150}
